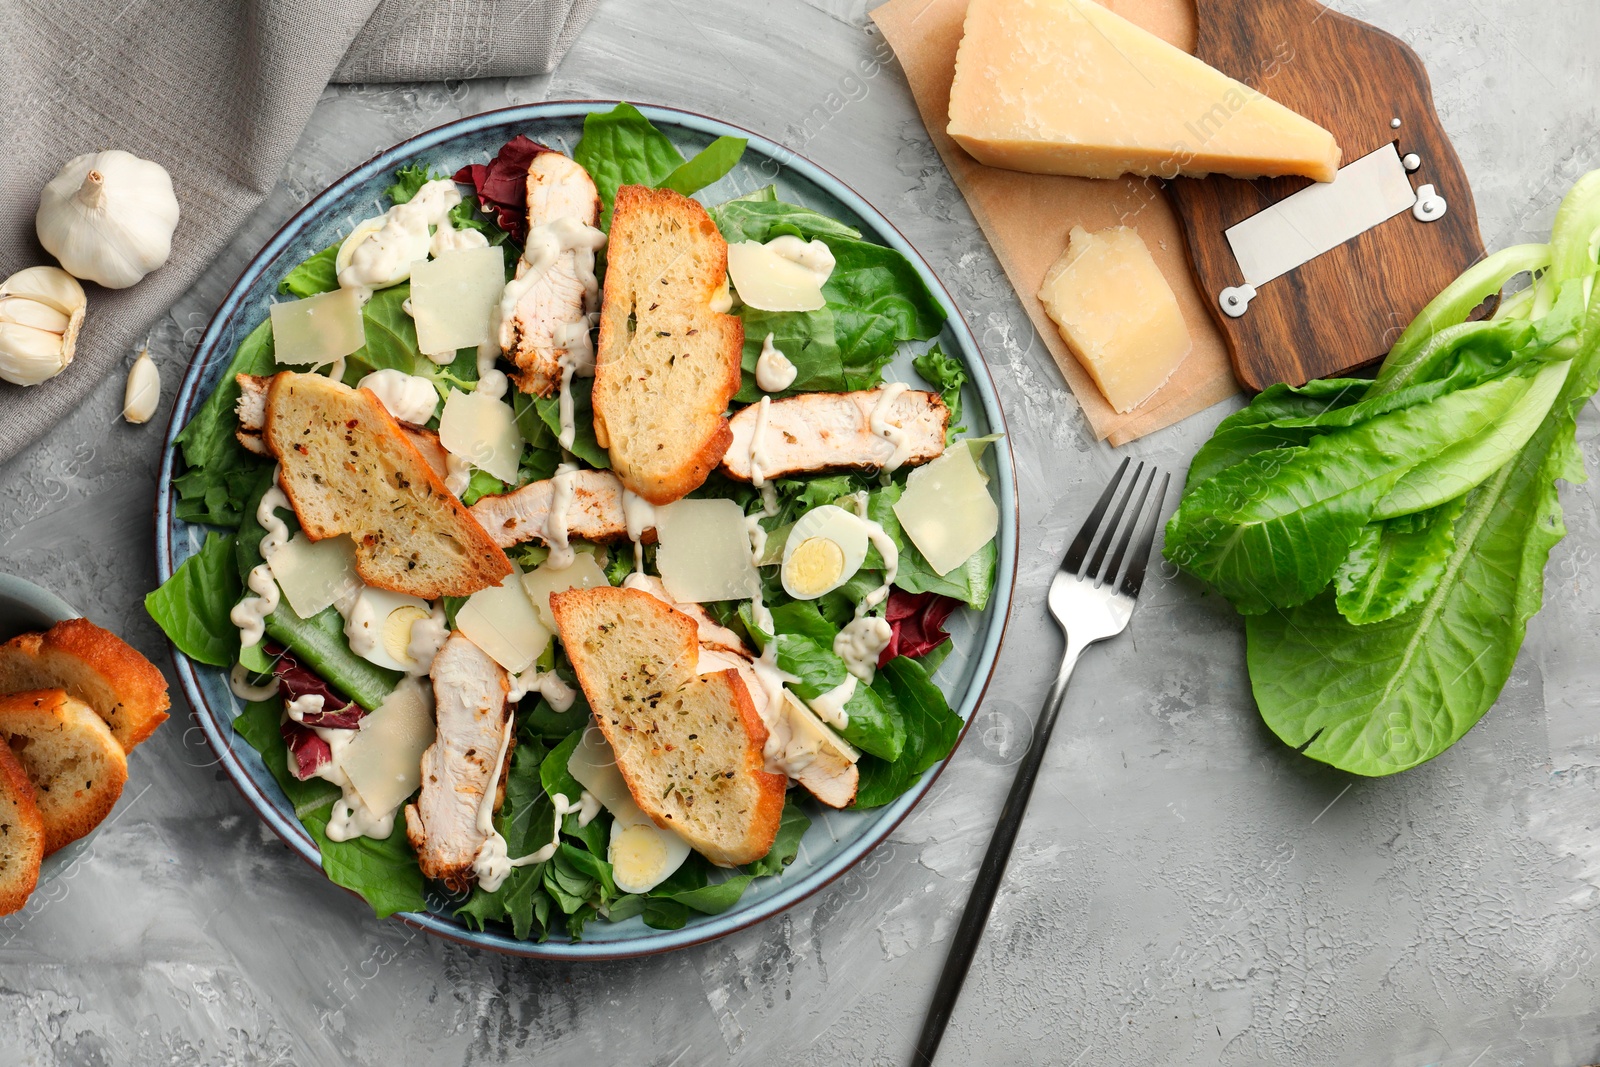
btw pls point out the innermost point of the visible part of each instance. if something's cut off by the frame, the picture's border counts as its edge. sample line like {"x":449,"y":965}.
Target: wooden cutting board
{"x":1342,"y":310}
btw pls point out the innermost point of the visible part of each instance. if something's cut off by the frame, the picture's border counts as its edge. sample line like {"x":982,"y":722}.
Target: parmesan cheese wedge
{"x":1117,"y":313}
{"x":384,"y":759}
{"x":315,"y":574}
{"x":483,"y":431}
{"x":454,"y":297}
{"x":1068,"y":87}
{"x":317,"y":330}
{"x":946,"y":508}
{"x":703,"y":551}
{"x":583,"y":573}
{"x":766,"y":280}
{"x":501,"y":621}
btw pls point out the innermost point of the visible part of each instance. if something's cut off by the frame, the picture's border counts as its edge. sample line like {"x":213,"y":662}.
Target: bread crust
{"x":95,"y":666}
{"x":699,"y":436}
{"x":646,"y":751}
{"x":21,"y":834}
{"x":321,"y":515}
{"x":47,"y":728}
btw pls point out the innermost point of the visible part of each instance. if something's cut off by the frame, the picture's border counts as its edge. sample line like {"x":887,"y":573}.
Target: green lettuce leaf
{"x":1395,"y":564}
{"x":384,"y":873}
{"x":192,"y":606}
{"x":786,"y":846}
{"x":709,"y":165}
{"x":947,"y":376}
{"x":872,"y":725}
{"x":315,"y":275}
{"x":620,"y":147}
{"x":932,"y":730}
{"x":525,"y":820}
{"x":584,"y":445}
{"x":219,"y":472}
{"x":760,"y":216}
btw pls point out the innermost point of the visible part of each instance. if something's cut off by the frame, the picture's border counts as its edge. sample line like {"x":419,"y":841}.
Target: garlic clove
{"x":143,"y":393}
{"x":29,"y":356}
{"x":48,"y":285}
{"x":25,"y":311}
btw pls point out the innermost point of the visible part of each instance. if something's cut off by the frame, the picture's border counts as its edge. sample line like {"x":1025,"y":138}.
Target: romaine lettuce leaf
{"x":1396,"y":563}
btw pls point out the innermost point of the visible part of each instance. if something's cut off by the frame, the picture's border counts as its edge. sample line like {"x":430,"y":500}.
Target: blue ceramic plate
{"x":836,"y":840}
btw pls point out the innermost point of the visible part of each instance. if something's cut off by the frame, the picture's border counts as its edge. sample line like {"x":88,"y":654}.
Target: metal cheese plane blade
{"x":1318,"y":219}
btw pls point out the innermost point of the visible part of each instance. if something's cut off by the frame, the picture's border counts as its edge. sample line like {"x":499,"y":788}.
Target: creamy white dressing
{"x":427,"y":638}
{"x":752,"y":522}
{"x":576,"y":360}
{"x":408,"y":397}
{"x":546,"y":244}
{"x":458,"y":473}
{"x":640,"y":515}
{"x":758,"y":444}
{"x":774,"y":372}
{"x":555,"y":521}
{"x":446,"y":238}
{"x":547,"y":684}
{"x":493,"y":864}
{"x":830,"y":705}
{"x":814,"y":255}
{"x":250,"y":614}
{"x":722,"y":299}
{"x":301,"y":706}
{"x":859,"y":644}
{"x":491,"y":379}
{"x":379,"y":252}
{"x":239,"y":682}
{"x":899,"y":440}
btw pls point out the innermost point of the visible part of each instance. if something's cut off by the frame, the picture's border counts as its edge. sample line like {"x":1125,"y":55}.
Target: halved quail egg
{"x":825,"y":549}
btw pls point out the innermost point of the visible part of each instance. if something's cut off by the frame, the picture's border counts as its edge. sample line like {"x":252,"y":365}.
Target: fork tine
{"x":1134,"y":580}
{"x":1115,"y":565}
{"x":1080,"y":544}
{"x":1094,"y":570}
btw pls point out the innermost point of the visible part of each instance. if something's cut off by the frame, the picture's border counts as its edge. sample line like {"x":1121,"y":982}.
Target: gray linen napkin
{"x":218,"y":92}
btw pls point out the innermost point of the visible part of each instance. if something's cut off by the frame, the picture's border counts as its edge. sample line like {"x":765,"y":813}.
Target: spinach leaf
{"x":193,"y":605}
{"x":219,"y":471}
{"x":620,"y":147}
{"x":786,"y":846}
{"x":555,"y":778}
{"x":384,"y":873}
{"x":1395,"y":564}
{"x":709,"y":165}
{"x":391,"y":334}
{"x":872,"y":725}
{"x":315,"y":275}
{"x":760,"y":216}
{"x":932,"y":730}
{"x":878,"y":300}
{"x":584,"y":445}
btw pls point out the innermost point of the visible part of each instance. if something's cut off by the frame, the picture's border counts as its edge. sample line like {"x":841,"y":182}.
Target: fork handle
{"x":990,"y":873}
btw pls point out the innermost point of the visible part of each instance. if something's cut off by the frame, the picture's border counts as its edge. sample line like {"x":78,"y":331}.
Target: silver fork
{"x":1091,"y":604}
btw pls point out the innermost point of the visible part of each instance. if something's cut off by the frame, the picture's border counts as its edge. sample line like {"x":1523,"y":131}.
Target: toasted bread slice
{"x":21,"y":834}
{"x":667,"y":365}
{"x":77,"y":768}
{"x":251,"y":411}
{"x":688,"y":745}
{"x":95,"y":666}
{"x":347,"y":467}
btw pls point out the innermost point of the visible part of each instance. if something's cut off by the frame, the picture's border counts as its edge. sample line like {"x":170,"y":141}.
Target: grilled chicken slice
{"x":251,"y":408}
{"x":595,"y":513}
{"x":557,"y":188}
{"x":815,"y":432}
{"x":470,"y":699}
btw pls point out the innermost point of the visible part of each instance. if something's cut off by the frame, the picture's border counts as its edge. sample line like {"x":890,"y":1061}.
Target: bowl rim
{"x":707,"y":928}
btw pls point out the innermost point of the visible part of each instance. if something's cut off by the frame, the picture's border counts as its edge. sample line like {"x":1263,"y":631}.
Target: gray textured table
{"x":1185,"y":890}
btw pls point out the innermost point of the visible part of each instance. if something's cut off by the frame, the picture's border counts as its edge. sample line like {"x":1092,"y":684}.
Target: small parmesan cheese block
{"x":318,"y":329}
{"x":809,"y":736}
{"x":501,"y":621}
{"x":315,"y":574}
{"x":703,"y":551}
{"x":582,"y":573}
{"x":1117,"y":313}
{"x":771,"y":282}
{"x":594,"y":765}
{"x":453,"y":298}
{"x":1069,"y":87}
{"x":482,"y":431}
{"x":946,"y":509}
{"x":642,"y":854}
{"x":384,"y":759}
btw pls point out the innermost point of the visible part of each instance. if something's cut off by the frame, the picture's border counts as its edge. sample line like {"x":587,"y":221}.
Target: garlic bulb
{"x":108,"y":217}
{"x":41,"y":311}
{"x":143,"y":392}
